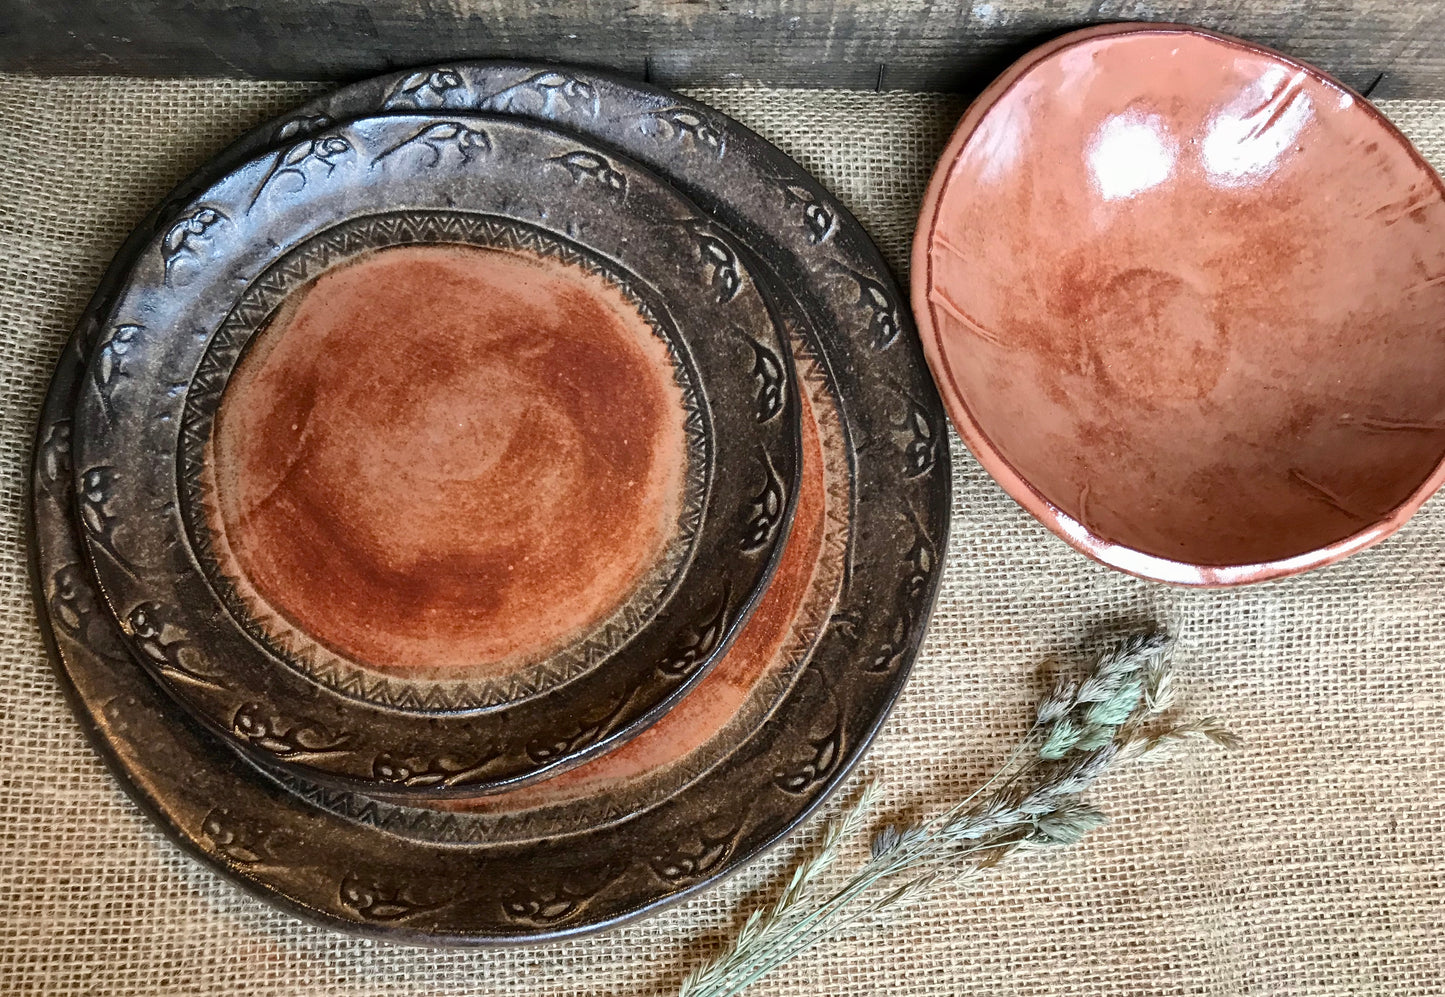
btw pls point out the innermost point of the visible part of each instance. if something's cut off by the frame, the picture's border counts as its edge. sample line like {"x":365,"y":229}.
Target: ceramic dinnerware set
{"x":495,"y":500}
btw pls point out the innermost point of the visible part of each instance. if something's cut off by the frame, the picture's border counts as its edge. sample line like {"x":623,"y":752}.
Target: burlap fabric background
{"x":1313,"y":862}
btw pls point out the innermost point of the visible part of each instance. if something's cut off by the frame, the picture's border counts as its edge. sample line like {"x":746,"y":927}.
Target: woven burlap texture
{"x":1311,"y":862}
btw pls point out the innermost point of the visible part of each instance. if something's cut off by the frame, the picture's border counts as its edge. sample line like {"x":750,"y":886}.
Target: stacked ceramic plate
{"x":490,"y":502}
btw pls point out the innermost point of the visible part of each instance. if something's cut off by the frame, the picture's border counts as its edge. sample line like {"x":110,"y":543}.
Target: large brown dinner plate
{"x":851,"y":334}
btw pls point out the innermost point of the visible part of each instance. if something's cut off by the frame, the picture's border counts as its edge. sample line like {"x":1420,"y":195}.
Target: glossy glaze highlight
{"x":1184,"y":298}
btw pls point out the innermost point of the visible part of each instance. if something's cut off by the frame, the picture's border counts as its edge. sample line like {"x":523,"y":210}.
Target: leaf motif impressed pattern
{"x":697,"y":645}
{"x":585,"y":164}
{"x":437,"y":137}
{"x":184,"y":239}
{"x":108,"y":366}
{"x":325,"y":150}
{"x":156,"y":635}
{"x":424,"y":89}
{"x":285,"y":739}
{"x":772,"y":382}
{"x":818,"y":220}
{"x":374,"y":898}
{"x":548,"y":93}
{"x":684,"y":123}
{"x":765,"y":511}
{"x":97,"y":488}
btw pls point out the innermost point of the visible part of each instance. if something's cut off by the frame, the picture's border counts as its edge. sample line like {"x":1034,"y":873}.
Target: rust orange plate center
{"x":443,"y":457}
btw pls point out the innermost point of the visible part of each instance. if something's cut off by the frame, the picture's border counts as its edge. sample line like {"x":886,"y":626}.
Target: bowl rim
{"x":1070,"y":529}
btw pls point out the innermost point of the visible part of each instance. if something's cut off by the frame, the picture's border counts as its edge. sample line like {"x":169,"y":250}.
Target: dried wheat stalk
{"x":1080,"y":731}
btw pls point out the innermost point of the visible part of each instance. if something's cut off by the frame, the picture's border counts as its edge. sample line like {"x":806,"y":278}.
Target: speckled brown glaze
{"x":426,"y":460}
{"x":1184,"y":299}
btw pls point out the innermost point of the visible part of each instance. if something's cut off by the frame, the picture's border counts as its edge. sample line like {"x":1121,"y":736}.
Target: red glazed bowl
{"x":1184,"y":298}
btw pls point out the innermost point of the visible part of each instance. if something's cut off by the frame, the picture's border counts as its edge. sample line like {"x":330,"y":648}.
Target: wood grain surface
{"x":1383,"y":48}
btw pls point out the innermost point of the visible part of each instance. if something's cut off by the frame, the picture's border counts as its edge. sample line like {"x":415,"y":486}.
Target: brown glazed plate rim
{"x":1068,"y":528}
{"x":278,"y":711}
{"x":244,"y":826}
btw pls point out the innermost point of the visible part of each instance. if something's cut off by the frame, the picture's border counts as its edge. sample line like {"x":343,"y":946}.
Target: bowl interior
{"x":1187,"y":298}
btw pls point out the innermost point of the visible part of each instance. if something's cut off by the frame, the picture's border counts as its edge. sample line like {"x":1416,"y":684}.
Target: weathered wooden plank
{"x":1398,"y":48}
